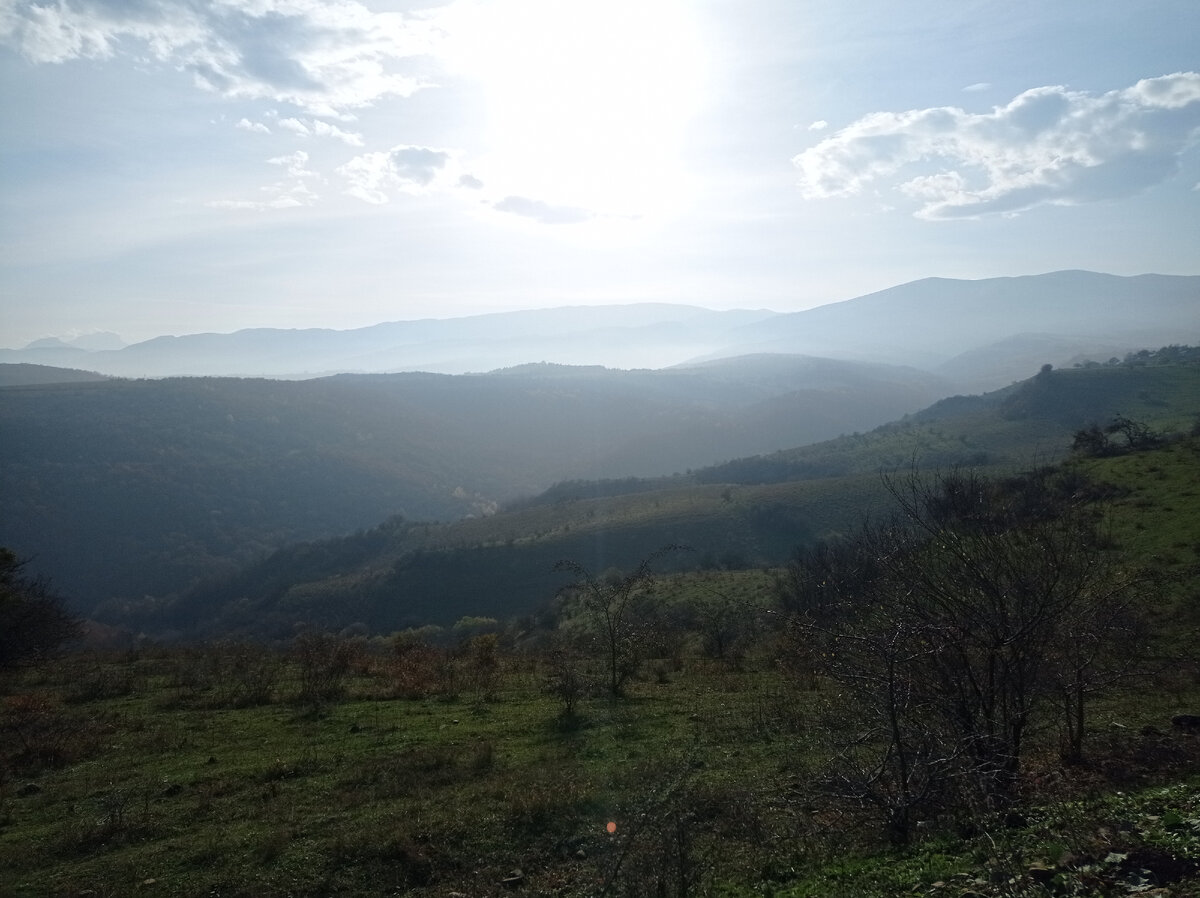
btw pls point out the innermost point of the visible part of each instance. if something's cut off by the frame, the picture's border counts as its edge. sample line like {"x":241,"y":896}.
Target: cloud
{"x":295,"y":163}
{"x":407,"y":169}
{"x":295,"y":126}
{"x":819,"y":125}
{"x":324,"y":129}
{"x":254,"y":127}
{"x":318,"y":128}
{"x":294,"y":197}
{"x":470,"y":182}
{"x":545,"y":213}
{"x":326,"y":56}
{"x":1049,"y":145}
{"x":977,"y":87}
{"x":286,"y":194}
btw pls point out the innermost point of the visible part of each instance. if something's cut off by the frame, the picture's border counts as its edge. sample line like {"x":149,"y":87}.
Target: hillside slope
{"x":751,"y":512}
{"x":195,"y":475}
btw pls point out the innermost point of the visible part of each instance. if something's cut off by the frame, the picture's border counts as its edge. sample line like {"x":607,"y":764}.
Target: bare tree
{"x":1015,"y":586}
{"x":952,"y":628}
{"x":1100,"y":648}
{"x":609,"y":603}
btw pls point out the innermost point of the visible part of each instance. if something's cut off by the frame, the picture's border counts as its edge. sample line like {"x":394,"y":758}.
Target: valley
{"x":590,"y":631}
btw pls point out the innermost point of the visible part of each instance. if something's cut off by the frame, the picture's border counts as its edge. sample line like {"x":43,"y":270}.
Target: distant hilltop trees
{"x":1167,"y":355}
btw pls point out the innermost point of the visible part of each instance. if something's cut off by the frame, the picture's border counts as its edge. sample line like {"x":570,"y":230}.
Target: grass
{"x":198,"y":771}
{"x":366,"y":795}
{"x":165,"y":794}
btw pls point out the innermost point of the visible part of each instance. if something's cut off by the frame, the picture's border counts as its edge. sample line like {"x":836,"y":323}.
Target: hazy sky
{"x":178,"y":166}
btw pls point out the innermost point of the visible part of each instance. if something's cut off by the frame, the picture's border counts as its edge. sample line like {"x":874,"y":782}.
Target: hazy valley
{"x":398,"y":631}
{"x":197,"y":477}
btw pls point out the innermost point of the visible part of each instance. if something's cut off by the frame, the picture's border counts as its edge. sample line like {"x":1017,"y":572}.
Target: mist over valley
{"x":196,"y":476}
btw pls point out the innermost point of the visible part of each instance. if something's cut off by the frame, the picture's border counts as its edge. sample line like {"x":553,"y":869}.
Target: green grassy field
{"x":452,"y":769}
{"x":168,"y":787}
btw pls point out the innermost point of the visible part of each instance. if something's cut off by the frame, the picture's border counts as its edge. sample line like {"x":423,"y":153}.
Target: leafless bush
{"x":324,"y":660}
{"x":951,"y":632}
{"x":35,"y":732}
{"x":567,"y":679}
{"x":417,"y":668}
{"x":483,"y":665}
{"x":621,"y":612}
{"x":665,"y":842}
{"x":244,"y":675}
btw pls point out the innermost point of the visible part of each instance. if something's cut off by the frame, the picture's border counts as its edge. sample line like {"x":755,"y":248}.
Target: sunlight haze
{"x":175,"y":168}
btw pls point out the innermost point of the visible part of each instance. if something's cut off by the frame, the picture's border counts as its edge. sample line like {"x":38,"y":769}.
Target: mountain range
{"x":978,"y":334}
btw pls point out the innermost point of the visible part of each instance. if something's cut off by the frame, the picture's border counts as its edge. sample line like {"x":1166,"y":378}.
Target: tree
{"x":1138,"y":434}
{"x":34,"y":622}
{"x":980,"y":609}
{"x":609,"y":603}
{"x":1100,"y":648}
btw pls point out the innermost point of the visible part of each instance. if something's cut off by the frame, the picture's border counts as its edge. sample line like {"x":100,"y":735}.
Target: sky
{"x":187,"y":166}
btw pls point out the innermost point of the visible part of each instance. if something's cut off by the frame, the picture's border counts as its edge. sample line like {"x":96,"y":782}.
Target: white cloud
{"x":977,"y":87}
{"x":544,"y":213}
{"x":318,"y":128}
{"x":1048,"y":145}
{"x":295,"y":163}
{"x":403,"y":168}
{"x":295,"y":126}
{"x":286,"y":194}
{"x":254,"y":127}
{"x":819,"y":125}
{"x":293,"y":197}
{"x":324,"y":129}
{"x":326,"y":56}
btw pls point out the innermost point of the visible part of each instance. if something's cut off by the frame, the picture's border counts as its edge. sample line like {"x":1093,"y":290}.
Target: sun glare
{"x":587,"y":103}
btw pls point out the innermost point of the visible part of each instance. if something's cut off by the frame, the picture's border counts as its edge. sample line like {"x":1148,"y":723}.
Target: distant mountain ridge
{"x":641,"y":335}
{"x":941,"y":324}
{"x":979,"y":333}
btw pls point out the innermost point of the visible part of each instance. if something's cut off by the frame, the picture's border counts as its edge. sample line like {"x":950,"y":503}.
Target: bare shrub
{"x":483,"y":665}
{"x":324,"y":661}
{"x":97,"y":677}
{"x":567,"y":679}
{"x":36,"y":733}
{"x":417,"y":667}
{"x":951,"y":633}
{"x":675,"y":835}
{"x":243,"y":675}
{"x":621,"y":614}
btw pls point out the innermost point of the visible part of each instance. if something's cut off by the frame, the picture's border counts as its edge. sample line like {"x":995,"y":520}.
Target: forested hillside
{"x":747,"y":513}
{"x":192,"y":476}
